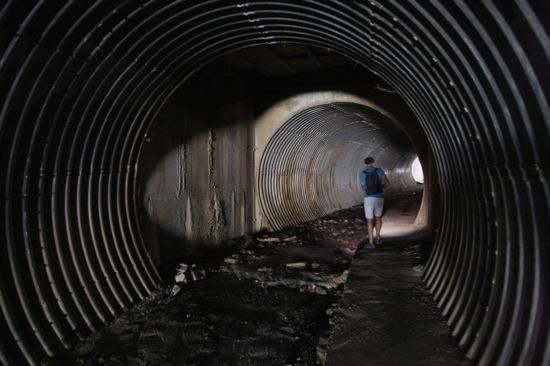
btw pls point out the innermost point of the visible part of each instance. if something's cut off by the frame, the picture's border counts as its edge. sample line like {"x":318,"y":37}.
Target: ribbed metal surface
{"x":310,"y":166}
{"x":81,"y":80}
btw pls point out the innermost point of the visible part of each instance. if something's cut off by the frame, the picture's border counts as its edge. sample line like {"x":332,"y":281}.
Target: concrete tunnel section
{"x":81,"y":82}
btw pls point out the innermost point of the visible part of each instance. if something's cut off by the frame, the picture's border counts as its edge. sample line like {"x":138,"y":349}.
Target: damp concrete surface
{"x":289,"y":298}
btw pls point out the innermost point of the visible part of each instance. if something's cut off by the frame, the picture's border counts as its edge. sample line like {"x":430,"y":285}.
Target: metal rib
{"x":81,"y":81}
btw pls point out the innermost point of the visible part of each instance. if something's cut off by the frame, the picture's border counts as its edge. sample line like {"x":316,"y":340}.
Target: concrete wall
{"x":195,"y":170}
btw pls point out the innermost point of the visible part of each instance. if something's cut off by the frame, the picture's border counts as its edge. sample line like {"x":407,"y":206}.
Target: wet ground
{"x":282,"y":299}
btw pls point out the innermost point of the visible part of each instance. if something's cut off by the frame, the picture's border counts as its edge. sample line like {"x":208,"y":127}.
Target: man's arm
{"x":362,"y":180}
{"x":386,"y":180}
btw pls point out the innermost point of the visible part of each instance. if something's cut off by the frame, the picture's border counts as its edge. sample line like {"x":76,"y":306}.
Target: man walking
{"x":373,"y":181}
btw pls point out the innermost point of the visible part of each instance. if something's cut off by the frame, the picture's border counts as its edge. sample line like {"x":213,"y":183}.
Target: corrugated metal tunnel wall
{"x":81,"y":80}
{"x":310,"y":166}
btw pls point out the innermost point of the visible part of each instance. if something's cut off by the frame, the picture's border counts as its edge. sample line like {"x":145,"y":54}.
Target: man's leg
{"x":378,"y":210}
{"x":371,"y":230}
{"x":378,"y":224}
{"x":369,"y":215}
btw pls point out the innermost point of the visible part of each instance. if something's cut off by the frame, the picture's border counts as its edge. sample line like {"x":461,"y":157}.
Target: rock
{"x":320,"y":291}
{"x":180,"y":274}
{"x":268,"y":240}
{"x":321,"y":355}
{"x":290,"y":239}
{"x":194,"y":276}
{"x":288,"y":330}
{"x":310,"y":289}
{"x":151,"y":335}
{"x":180,"y":277}
{"x":297,"y":265}
{"x":230,"y":260}
{"x":175,"y":290}
{"x":419,"y":268}
{"x":334,"y":280}
{"x":186,"y":274}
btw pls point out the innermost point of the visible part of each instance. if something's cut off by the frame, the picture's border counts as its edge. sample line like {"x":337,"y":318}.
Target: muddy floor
{"x":267,"y":299}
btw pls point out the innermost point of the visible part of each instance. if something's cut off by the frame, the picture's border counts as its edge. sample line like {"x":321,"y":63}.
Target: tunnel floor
{"x":386,"y":316}
{"x":282,"y":299}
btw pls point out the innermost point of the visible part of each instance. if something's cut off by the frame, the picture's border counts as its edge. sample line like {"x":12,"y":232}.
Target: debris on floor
{"x":268,"y":300}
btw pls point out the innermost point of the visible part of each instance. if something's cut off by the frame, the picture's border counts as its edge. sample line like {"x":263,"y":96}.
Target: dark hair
{"x":369,"y":160}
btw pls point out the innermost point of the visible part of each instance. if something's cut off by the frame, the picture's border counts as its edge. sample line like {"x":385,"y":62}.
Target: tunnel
{"x":310,"y":166}
{"x":87,"y":86}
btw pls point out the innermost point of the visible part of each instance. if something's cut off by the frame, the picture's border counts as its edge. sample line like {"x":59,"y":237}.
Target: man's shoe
{"x":370,"y":246}
{"x":377,"y":240}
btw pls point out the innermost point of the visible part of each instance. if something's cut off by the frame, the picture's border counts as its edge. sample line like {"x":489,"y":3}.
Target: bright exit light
{"x":416,"y":171}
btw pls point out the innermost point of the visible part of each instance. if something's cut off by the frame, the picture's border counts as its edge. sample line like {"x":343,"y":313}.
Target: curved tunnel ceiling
{"x":310,"y":166}
{"x":81,"y":81}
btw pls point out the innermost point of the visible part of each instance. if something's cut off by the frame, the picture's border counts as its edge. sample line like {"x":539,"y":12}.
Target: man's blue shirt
{"x":363,"y":180}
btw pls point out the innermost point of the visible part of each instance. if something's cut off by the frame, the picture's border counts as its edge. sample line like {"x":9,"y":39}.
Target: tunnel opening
{"x":416,"y":171}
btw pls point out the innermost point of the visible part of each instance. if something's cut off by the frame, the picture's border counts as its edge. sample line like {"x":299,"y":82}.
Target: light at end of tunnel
{"x":416,"y":171}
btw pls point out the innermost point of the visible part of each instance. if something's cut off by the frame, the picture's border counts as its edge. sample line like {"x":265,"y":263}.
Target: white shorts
{"x":373,"y":207}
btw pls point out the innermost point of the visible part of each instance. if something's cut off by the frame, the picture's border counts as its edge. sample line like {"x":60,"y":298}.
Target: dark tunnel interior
{"x":136,"y":132}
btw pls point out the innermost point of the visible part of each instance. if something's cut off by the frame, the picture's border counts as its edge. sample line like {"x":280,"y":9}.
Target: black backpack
{"x":373,"y":182}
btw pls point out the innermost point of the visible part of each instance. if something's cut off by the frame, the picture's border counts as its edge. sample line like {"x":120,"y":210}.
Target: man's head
{"x":369,"y":160}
